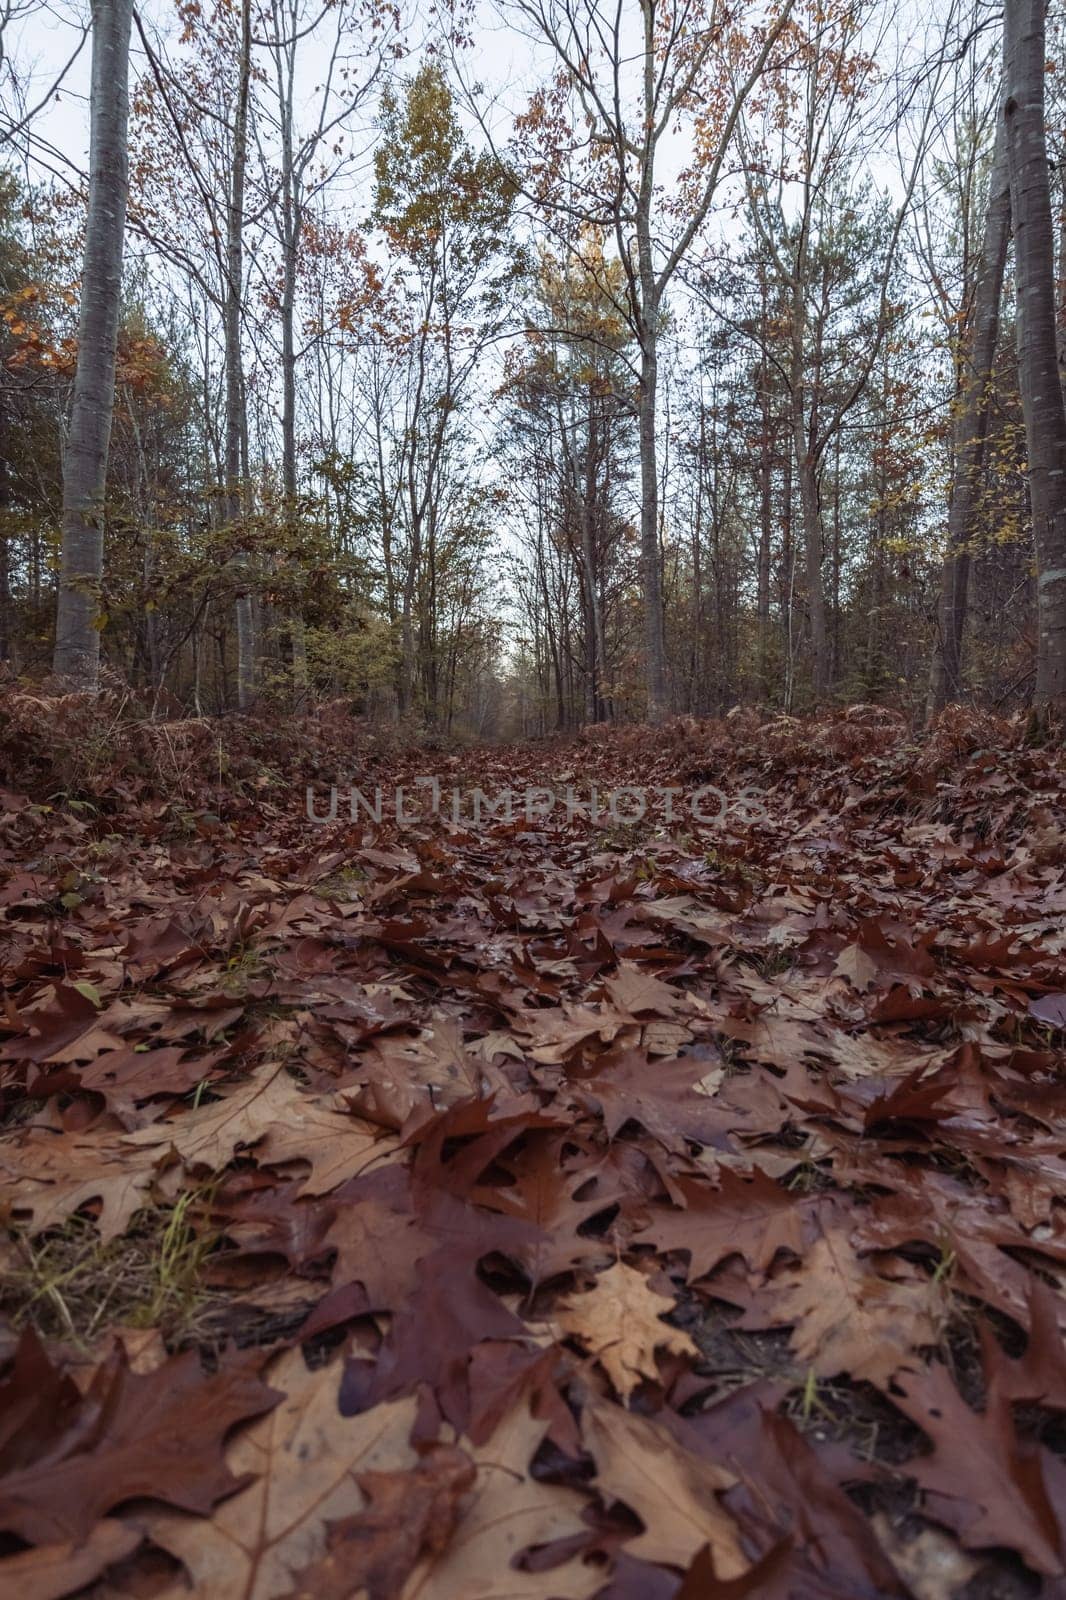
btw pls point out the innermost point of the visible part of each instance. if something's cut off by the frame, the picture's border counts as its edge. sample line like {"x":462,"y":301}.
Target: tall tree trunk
{"x":810,"y":504}
{"x":971,"y":431}
{"x":594,"y":646}
{"x":694,"y":698}
{"x":1060,"y":280}
{"x":1038,"y":376}
{"x":247,"y":644}
{"x":291,"y":226}
{"x":418,"y":499}
{"x":835,"y":649}
{"x":813,"y":539}
{"x":766,"y":469}
{"x":77,"y":643}
{"x":408,"y":643}
{"x":297,"y":631}
{"x":5,"y":532}
{"x":787,"y":578}
{"x":651,"y":566}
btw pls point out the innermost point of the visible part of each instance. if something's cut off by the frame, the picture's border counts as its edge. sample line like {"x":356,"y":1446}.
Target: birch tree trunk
{"x":971,"y":431}
{"x":1060,"y":281}
{"x":77,"y":643}
{"x":1038,"y":376}
{"x":246,"y":629}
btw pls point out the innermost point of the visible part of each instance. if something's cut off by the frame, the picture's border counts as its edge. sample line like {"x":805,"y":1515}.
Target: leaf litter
{"x":545,"y":1208}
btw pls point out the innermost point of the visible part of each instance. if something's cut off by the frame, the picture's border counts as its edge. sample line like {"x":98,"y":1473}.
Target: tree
{"x":973,"y":406}
{"x":670,"y":354}
{"x":569,"y":435}
{"x":1038,"y":376}
{"x":803,"y":198}
{"x":247,"y":643}
{"x":638,"y":81}
{"x":77,"y":644}
{"x":445,"y":212}
{"x":306,"y":160}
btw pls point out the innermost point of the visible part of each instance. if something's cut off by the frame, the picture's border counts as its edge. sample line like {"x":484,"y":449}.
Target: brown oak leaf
{"x":407,"y":1514}
{"x":753,"y":1217}
{"x":301,"y":1465}
{"x":156,"y":1436}
{"x":847,"y":1318}
{"x":673,"y":1491}
{"x":619,"y":1321}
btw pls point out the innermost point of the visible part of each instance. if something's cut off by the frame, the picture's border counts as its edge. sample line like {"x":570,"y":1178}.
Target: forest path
{"x":789,"y":1077}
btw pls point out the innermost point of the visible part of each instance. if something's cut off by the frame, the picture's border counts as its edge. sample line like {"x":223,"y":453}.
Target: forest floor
{"x":546,"y":1208}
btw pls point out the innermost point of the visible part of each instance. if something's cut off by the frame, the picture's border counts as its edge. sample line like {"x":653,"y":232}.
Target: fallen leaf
{"x":847,"y":1318}
{"x":407,"y":1514}
{"x":303,"y":1461}
{"x":50,"y":1571}
{"x":506,"y":1513}
{"x":673,"y":1491}
{"x":156,"y":1436}
{"x":979,"y":1480}
{"x":210,"y":1135}
{"x":48,"y":1176}
{"x":619,"y":1321}
{"x":337,"y":1144}
{"x":754,"y":1217}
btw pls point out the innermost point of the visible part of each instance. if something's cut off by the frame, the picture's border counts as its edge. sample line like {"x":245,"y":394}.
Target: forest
{"x":690,"y":369}
{"x":532,"y":800}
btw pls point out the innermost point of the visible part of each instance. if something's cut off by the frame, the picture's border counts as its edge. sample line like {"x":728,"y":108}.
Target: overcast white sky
{"x":37,"y":44}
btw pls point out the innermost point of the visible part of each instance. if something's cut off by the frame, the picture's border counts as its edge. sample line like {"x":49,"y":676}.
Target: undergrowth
{"x":69,"y":1285}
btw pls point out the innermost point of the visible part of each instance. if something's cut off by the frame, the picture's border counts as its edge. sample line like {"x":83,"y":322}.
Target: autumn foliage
{"x":552,"y":1209}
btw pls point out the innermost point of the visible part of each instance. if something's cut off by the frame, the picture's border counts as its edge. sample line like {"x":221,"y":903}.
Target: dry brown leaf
{"x":338,"y":1144}
{"x":710,"y":1083}
{"x":854,"y":964}
{"x":490,"y":1045}
{"x":635,"y":991}
{"x":49,"y":1571}
{"x":144,"y":1347}
{"x":979,"y":1479}
{"x":375,"y":1551}
{"x":849,"y":1319}
{"x":553,"y":1036}
{"x":433,"y":1068}
{"x":620,"y":1322}
{"x":305,"y":1457}
{"x":48,"y":1176}
{"x":156,"y":1436}
{"x":789,"y":1027}
{"x":665,"y":1038}
{"x":686,"y":915}
{"x":672,"y":1490}
{"x":507,"y":1512}
{"x":210,"y":1135}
